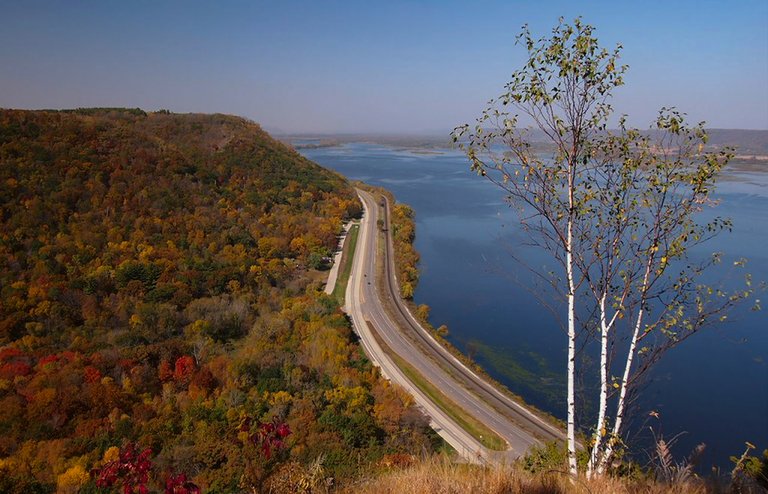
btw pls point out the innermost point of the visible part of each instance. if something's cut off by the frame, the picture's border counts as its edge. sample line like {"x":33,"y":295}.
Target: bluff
{"x":156,"y":292}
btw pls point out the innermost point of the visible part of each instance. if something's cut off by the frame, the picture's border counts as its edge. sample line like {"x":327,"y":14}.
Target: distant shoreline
{"x":742,"y":162}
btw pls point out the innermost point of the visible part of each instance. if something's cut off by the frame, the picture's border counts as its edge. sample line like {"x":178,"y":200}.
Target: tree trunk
{"x":571,"y":428}
{"x":621,"y":404}
{"x":600,"y":430}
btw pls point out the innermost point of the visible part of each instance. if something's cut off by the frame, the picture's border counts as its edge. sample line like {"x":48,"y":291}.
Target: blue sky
{"x":360,"y":66}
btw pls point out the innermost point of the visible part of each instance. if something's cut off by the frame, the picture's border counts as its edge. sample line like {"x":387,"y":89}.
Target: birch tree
{"x":563,"y":90}
{"x":645,"y":193}
{"x":616,"y":210}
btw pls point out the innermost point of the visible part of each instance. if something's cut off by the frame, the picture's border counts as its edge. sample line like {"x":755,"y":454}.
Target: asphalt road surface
{"x":520,"y":428}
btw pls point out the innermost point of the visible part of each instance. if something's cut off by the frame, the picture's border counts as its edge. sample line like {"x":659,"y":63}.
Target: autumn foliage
{"x":130,"y":471}
{"x":130,"y":474}
{"x":154,"y":290}
{"x":406,"y":257}
{"x":268,"y":437}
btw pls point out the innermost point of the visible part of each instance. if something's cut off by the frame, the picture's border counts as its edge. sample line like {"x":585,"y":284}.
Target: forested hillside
{"x":155,"y":295}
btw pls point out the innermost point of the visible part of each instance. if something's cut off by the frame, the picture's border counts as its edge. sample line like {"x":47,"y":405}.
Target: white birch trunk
{"x":571,"y":427}
{"x":601,"y":428}
{"x":621,"y":404}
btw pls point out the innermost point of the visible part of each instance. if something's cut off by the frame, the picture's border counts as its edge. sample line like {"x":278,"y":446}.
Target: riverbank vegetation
{"x":406,"y":257}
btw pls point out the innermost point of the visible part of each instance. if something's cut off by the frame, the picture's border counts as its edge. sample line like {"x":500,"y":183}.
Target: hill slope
{"x":154,"y":290}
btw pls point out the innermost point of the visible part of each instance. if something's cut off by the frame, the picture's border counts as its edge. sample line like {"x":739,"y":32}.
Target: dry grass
{"x":441,"y":476}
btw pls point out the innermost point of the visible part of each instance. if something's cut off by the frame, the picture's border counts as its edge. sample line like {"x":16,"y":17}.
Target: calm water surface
{"x":712,"y":389}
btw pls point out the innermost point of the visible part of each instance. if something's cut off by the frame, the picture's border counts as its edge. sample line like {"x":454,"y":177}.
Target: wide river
{"x":712,"y":389}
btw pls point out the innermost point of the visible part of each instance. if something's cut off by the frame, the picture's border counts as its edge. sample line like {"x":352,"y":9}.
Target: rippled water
{"x":713,"y":388}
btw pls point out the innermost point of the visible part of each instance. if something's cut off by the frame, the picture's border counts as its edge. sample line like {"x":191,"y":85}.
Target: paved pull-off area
{"x":334,"y":271}
{"x":520,"y":428}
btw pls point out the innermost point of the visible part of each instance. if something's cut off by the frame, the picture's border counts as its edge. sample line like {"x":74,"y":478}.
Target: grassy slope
{"x":439,"y":475}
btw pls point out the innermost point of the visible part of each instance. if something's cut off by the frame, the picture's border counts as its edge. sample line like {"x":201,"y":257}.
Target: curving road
{"x":405,"y":336}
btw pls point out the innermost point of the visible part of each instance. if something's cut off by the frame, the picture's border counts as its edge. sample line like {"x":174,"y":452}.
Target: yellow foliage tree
{"x":70,"y":481}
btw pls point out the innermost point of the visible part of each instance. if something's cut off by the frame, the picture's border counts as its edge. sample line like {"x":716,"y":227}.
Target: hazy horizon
{"x":350,"y":68}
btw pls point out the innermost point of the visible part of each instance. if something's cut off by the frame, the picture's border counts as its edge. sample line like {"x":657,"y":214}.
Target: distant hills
{"x":749,"y":144}
{"x":746,"y":142}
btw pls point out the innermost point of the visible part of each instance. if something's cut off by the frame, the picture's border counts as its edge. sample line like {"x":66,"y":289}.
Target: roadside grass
{"x":388,"y":304}
{"x":346,"y":264}
{"x":471,"y":425}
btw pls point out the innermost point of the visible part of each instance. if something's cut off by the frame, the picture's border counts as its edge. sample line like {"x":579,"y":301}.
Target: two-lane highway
{"x":405,"y":336}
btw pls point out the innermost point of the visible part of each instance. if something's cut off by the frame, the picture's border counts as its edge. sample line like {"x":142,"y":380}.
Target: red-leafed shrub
{"x":126,"y":364}
{"x":14,"y":362}
{"x":165,"y":371}
{"x":183,"y":369}
{"x":48,"y":359}
{"x":269,"y":436}
{"x":10,"y":370}
{"x":130,"y":471}
{"x":91,"y":374}
{"x":178,"y":484}
{"x":10,"y":353}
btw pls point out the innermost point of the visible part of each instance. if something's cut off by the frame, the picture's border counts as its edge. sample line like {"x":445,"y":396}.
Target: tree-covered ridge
{"x":171,"y":207}
{"x":154,"y":291}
